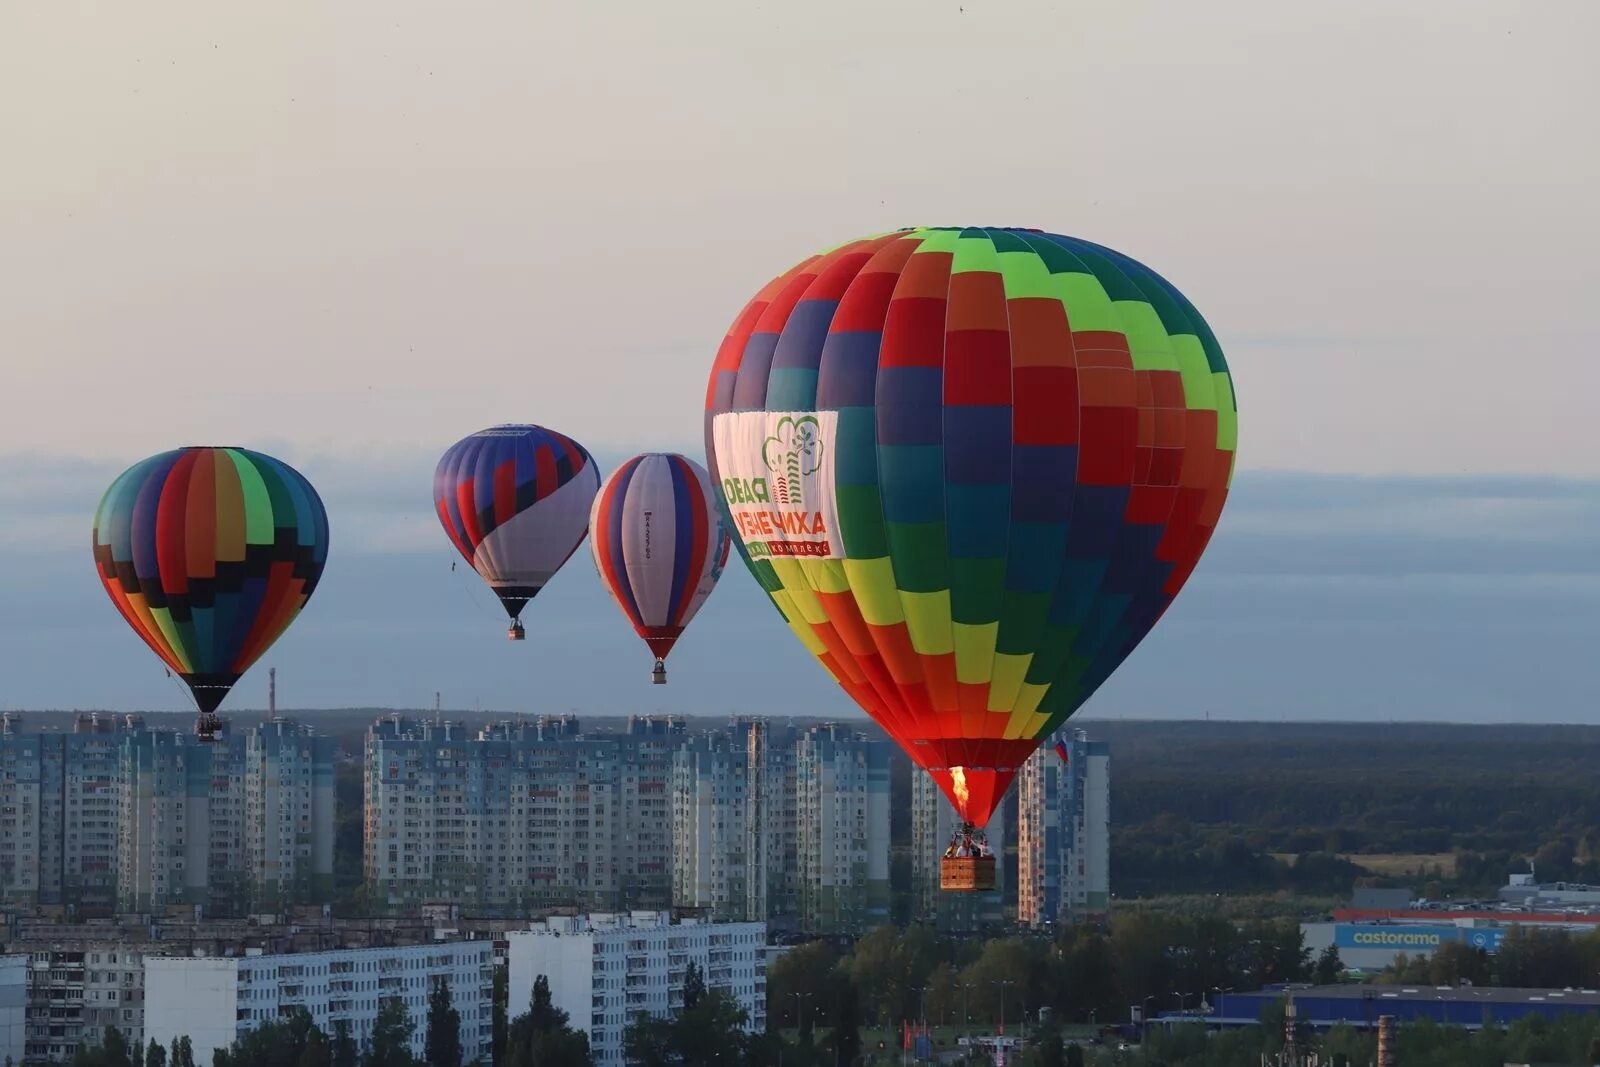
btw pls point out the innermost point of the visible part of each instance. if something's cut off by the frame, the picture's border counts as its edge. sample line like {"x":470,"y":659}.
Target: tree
{"x":344,"y":1052}
{"x":1074,"y":1056}
{"x":316,"y":1052}
{"x":442,"y":1045}
{"x":155,"y":1055}
{"x":1053,"y":1052}
{"x":497,"y":1009}
{"x":391,"y":1036}
{"x":1329,"y":966}
{"x":541,"y":1036}
{"x":182,"y":1052}
{"x":847,"y":1028}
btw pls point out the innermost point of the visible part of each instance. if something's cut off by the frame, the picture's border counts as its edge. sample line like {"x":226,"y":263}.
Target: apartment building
{"x":841,"y":789}
{"x":1064,"y":831}
{"x":606,"y":970}
{"x":214,"y":1000}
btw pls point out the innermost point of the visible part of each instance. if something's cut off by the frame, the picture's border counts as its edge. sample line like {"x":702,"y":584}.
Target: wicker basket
{"x":966,"y":874}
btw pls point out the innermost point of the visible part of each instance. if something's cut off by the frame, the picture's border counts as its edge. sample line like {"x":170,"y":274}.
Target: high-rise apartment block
{"x":933,"y":824}
{"x":531,"y":814}
{"x":1064,"y":831}
{"x":841,"y":788}
{"x":115,"y":814}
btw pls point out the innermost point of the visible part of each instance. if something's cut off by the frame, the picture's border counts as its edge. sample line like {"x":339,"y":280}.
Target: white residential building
{"x":1064,"y":831}
{"x":933,"y":824}
{"x":606,"y":970}
{"x":75,"y":989}
{"x":13,"y":1007}
{"x":214,"y":1000}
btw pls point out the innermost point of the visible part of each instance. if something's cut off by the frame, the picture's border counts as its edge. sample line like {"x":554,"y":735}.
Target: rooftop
{"x":1454,"y":994}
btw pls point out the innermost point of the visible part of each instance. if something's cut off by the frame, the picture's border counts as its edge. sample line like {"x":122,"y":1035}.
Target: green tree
{"x":155,"y":1055}
{"x":182,"y":1052}
{"x":317,"y":1052}
{"x":391,"y":1036}
{"x":847,"y":1024}
{"x":1074,"y":1056}
{"x":344,"y":1051}
{"x":1052,"y":1050}
{"x":500,"y":1024}
{"x":1329,"y":966}
{"x":442,"y":1043}
{"x":542,"y":1037}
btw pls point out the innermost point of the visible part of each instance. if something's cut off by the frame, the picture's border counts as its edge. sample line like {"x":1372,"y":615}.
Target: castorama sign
{"x":1415,"y":938}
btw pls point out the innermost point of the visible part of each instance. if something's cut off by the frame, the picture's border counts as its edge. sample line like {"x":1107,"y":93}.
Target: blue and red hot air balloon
{"x":659,"y":546}
{"x":515,"y":500}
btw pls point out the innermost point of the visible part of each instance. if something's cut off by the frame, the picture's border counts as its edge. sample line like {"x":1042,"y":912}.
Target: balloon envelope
{"x":209,"y":554}
{"x":659,"y":543}
{"x":972,"y":467}
{"x":514,"y":500}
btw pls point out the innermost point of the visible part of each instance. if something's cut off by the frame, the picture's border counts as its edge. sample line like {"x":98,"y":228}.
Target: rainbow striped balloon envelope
{"x":209,"y":554}
{"x":972,"y":467}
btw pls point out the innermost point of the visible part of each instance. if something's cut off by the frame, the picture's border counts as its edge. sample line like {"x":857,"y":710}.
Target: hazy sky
{"x":351,"y":233}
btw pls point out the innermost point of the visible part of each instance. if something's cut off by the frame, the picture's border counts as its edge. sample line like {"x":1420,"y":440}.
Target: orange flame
{"x":958,"y":786}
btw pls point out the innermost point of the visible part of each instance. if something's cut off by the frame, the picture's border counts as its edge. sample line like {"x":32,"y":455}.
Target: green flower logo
{"x":793,"y":451}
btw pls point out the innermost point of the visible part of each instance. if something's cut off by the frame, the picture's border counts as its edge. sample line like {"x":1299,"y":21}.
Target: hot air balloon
{"x":515,"y":500}
{"x":659,"y":545}
{"x":972,"y":467}
{"x":210,"y":553}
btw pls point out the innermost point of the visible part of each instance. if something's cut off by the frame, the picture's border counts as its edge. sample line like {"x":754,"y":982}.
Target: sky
{"x":350,"y":234}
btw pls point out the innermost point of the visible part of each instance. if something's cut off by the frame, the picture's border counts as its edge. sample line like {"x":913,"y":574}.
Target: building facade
{"x":733,"y":822}
{"x":841,"y":790}
{"x":116,"y":815}
{"x":530,"y":814}
{"x":933,"y":824}
{"x":74,"y":990}
{"x":214,"y":1000}
{"x":607,"y":970}
{"x":1064,"y":831}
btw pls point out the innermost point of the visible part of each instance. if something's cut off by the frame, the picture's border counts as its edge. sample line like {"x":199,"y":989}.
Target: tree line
{"x":1153,"y":960}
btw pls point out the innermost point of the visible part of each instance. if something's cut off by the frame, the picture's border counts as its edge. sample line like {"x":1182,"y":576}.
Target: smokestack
{"x":272,"y":693}
{"x":1386,"y":1041}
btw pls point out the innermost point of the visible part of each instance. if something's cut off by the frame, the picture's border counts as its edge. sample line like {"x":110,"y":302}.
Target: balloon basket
{"x":658,"y":675}
{"x":966,"y":874}
{"x":207,"y":727}
{"x":516,"y":632}
{"x":967,"y":866}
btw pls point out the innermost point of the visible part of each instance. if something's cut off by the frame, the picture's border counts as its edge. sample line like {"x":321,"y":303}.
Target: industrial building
{"x":606,"y":970}
{"x":1360,"y":1006}
{"x":214,"y":1000}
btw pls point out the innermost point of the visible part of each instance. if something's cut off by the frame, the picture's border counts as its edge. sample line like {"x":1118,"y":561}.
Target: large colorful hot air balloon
{"x":210,"y":553}
{"x":515,"y":502}
{"x":972,"y":467}
{"x":659,"y":545}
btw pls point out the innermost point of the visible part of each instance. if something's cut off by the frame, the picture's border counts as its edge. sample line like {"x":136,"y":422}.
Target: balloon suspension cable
{"x":472,"y":583}
{"x":658,"y":675}
{"x":968,"y":840}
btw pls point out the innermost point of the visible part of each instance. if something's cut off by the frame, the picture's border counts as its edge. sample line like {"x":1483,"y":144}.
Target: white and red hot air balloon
{"x":659,"y":545}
